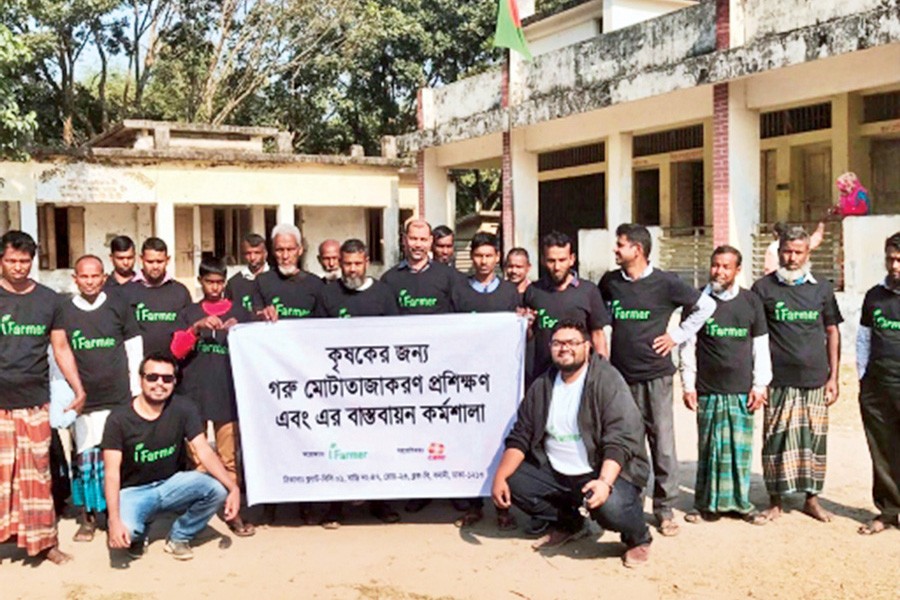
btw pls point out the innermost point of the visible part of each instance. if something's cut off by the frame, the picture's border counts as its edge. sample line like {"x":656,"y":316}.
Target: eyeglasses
{"x":154,"y":377}
{"x":568,"y":344}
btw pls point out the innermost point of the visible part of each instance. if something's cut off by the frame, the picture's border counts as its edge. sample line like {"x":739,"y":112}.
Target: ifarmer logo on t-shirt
{"x":79,"y":342}
{"x":882,"y":322}
{"x":544,"y":320}
{"x":628,"y":314}
{"x":288,"y":311}
{"x":713,"y":329}
{"x":247,"y":303}
{"x":344,"y":313}
{"x":10,"y":327}
{"x":144,"y":314}
{"x":408,"y":301}
{"x":143,"y":455}
{"x":211,"y":348}
{"x":783,"y":313}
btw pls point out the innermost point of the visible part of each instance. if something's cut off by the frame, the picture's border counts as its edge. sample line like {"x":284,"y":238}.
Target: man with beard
{"x":241,"y":288}
{"x":641,"y":300}
{"x":329,"y":259}
{"x":422,"y":286}
{"x":155,"y":298}
{"x":287,"y":292}
{"x":201,"y":346}
{"x":878,"y":366}
{"x":145,"y":445}
{"x":108,"y":349}
{"x":725,"y":371}
{"x":121,"y":253}
{"x":30,"y":320}
{"x":356,"y":294}
{"x":517,"y":267}
{"x":805,"y":344}
{"x":577,"y":446}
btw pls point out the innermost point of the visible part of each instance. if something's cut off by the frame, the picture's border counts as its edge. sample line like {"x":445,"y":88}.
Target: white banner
{"x":376,"y":407}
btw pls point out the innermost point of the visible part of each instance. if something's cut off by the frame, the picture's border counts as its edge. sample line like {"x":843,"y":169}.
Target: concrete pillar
{"x":524,"y":167}
{"x":437,"y":195}
{"x":849,"y":150}
{"x":390,"y":220}
{"x":28,"y":222}
{"x":164,"y":226}
{"x":286,"y":212}
{"x":667,"y":206}
{"x":143,"y":215}
{"x":619,"y":180}
{"x":197,"y":236}
{"x":258,"y":219}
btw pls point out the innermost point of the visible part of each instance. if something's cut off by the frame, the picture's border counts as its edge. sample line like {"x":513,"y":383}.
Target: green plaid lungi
{"x":795,"y":439}
{"x":725,"y":451}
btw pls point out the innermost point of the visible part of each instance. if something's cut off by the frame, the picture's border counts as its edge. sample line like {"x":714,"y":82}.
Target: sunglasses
{"x":154,"y":377}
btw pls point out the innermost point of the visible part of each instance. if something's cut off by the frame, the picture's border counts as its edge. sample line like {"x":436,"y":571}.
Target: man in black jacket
{"x":578,"y":441}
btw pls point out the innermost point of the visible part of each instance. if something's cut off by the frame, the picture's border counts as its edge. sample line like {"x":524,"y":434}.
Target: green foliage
{"x":16,"y":125}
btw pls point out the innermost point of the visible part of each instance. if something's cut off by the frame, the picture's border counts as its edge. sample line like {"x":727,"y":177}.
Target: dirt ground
{"x":426,"y":557}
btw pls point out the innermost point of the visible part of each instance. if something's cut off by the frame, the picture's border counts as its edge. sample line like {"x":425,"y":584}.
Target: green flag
{"x":509,"y":33}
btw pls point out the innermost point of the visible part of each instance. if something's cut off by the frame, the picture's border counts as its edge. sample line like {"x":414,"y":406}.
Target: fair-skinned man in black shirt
{"x":144,"y":451}
{"x":122,"y":256}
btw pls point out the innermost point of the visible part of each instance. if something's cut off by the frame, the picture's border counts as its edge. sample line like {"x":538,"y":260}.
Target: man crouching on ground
{"x":144,"y":452}
{"x":578,"y":441}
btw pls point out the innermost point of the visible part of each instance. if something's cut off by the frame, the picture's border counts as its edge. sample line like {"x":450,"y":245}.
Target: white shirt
{"x":563,"y":444}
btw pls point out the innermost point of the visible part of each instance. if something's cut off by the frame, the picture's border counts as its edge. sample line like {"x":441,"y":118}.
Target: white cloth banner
{"x":376,"y":407}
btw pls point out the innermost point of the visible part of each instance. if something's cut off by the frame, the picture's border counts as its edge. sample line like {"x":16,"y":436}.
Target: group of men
{"x":150,"y":369}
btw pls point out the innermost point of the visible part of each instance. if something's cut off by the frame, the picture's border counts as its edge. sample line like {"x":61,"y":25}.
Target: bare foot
{"x":773,"y":512}
{"x":873,"y":527}
{"x":57,"y":556}
{"x":812,"y":508}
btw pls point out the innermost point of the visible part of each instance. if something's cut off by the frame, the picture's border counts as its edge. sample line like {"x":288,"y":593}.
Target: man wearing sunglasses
{"x":144,"y":451}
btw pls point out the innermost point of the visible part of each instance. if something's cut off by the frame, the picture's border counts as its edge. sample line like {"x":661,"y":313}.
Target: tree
{"x":16,"y":125}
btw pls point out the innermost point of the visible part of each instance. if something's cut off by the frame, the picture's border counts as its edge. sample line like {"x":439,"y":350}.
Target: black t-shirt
{"x":152,"y":450}
{"x":293,"y":297}
{"x":97,"y":338}
{"x":580,"y":301}
{"x":244,"y":292}
{"x":26,"y":321}
{"x":425,"y":292}
{"x":206,"y":371}
{"x":881,"y":313}
{"x":725,"y":345}
{"x":505,"y":298}
{"x":112,"y":284}
{"x":640,"y":311}
{"x":338,"y":301}
{"x":797,"y":317}
{"x":156,"y":311}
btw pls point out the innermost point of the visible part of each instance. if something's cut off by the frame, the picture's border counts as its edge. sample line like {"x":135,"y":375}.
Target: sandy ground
{"x":426,"y":557}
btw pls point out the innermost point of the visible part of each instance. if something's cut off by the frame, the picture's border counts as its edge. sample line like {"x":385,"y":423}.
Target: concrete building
{"x":201,"y":188}
{"x":706,"y":120}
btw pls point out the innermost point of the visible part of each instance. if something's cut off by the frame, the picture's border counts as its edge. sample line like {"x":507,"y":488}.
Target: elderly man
{"x":287,"y":292}
{"x":30,"y":320}
{"x":725,"y":371}
{"x":878,"y":366}
{"x":122,"y":255}
{"x":329,"y":259}
{"x":641,"y":300}
{"x":241,"y":288}
{"x":805,"y":344}
{"x":108,"y":349}
{"x":578,"y":446}
{"x":155,"y":298}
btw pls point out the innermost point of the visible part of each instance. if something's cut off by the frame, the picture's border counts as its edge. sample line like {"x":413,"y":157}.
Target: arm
{"x":833,"y":344}
{"x":65,"y":360}
{"x":863,"y":350}
{"x":815,"y":240}
{"x":119,"y":536}
{"x":601,"y":487}
{"x":211,"y":462}
{"x":700,"y":312}
{"x":509,"y":462}
{"x":771,"y":259}
{"x":598,"y":340}
{"x":689,"y":372}
{"x":134,"y":350}
{"x":762,"y":373}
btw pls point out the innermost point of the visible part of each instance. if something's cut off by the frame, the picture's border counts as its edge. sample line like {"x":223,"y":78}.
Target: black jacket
{"x":608,"y":420}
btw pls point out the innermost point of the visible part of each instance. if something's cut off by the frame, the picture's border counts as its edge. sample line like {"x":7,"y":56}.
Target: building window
{"x":60,"y":236}
{"x":795,"y":120}
{"x":672,"y":140}
{"x":375,"y":234}
{"x":572,"y":157}
{"x":881,"y":107}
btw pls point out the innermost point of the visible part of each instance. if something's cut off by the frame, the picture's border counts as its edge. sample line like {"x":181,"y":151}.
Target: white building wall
{"x":624,"y":13}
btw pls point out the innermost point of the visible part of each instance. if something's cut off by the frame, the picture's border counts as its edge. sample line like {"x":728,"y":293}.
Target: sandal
{"x":756,"y":518}
{"x":668,"y":527}
{"x":85,"y":532}
{"x":241,"y":529}
{"x":506,"y":521}
{"x":471,"y":516}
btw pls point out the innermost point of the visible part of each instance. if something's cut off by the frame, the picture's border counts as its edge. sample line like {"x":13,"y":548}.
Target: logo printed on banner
{"x":436,"y":451}
{"x":335,"y":453}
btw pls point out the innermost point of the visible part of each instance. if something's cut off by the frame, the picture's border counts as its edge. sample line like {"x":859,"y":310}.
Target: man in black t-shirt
{"x":287,"y":292}
{"x":108,"y":349}
{"x":641,"y":300}
{"x":144,"y":449}
{"x":242,"y":286}
{"x":155,"y":298}
{"x":422,"y":286}
{"x":878,"y":365}
{"x":805,"y":344}
{"x":30,"y":320}
{"x":725,"y":371}
{"x":122,"y":255}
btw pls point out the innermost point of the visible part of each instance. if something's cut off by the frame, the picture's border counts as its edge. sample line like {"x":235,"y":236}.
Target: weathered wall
{"x":765,"y":17}
{"x":324,"y":222}
{"x":102,"y":222}
{"x":625,"y":13}
{"x":863,"y":249}
{"x":476,"y":94}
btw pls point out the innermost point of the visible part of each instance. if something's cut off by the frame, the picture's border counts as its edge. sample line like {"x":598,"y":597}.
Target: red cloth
{"x":183,"y":341}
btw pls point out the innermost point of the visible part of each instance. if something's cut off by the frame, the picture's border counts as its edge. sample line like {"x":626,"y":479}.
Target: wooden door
{"x":184,"y":241}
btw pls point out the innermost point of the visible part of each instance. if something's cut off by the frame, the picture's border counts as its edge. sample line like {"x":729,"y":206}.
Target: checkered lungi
{"x":725,"y":451}
{"x":795,"y":438}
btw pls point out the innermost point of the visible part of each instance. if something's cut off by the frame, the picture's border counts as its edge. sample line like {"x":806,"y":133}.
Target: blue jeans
{"x":196,"y":496}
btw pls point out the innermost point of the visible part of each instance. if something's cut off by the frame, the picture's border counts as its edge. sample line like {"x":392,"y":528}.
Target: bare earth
{"x":426,"y":557}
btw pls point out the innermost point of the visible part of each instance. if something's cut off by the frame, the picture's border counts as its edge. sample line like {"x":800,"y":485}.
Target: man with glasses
{"x":577,"y":450}
{"x":144,"y":452}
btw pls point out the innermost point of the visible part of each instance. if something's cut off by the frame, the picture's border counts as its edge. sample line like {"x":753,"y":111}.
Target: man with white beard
{"x":805,"y":344}
{"x":287,"y":292}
